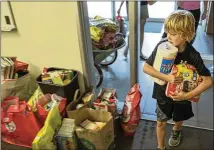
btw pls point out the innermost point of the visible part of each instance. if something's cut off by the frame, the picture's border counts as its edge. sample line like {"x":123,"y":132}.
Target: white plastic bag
{"x":15,"y":87}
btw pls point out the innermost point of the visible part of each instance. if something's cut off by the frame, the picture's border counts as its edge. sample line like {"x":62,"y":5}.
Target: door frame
{"x":86,"y":44}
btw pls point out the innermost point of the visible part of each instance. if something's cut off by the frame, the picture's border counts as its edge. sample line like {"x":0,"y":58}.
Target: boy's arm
{"x":148,"y":69}
{"x":154,"y":73}
{"x":205,"y":84}
{"x":204,"y":73}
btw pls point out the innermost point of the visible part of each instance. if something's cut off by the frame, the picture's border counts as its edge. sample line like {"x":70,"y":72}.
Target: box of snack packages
{"x":94,"y":129}
{"x":191,"y":80}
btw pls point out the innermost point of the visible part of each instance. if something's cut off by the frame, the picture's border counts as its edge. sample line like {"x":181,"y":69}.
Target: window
{"x":102,"y":9}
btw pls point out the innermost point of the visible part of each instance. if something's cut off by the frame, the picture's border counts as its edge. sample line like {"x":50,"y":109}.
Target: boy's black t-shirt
{"x":190,"y":56}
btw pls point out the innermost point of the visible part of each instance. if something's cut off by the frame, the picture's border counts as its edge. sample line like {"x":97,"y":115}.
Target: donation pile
{"x":104,"y":34}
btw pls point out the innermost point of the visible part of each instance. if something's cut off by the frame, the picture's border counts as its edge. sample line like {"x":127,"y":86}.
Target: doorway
{"x":118,"y":76}
{"x":153,"y":29}
{"x":160,"y":10}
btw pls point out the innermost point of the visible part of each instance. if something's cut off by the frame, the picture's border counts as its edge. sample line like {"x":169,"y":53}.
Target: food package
{"x":164,"y":60}
{"x":58,"y":77}
{"x":107,"y":101}
{"x":100,"y":124}
{"x":191,"y":80}
{"x":87,"y":124}
{"x":66,"y":137}
{"x":96,"y":33}
{"x":131,"y":113}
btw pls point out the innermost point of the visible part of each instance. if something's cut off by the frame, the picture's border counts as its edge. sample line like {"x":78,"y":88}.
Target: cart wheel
{"x":110,"y":59}
{"x":98,"y":75}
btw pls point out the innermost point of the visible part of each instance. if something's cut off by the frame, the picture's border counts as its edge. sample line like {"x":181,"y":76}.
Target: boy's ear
{"x":183,"y":37}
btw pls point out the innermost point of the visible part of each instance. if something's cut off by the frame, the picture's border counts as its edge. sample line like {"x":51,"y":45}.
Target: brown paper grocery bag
{"x":102,"y":139}
{"x":71,"y":107}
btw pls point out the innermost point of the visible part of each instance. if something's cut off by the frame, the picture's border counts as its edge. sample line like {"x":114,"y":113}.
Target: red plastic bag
{"x":19,"y":125}
{"x":131,"y":113}
{"x":44,"y":101}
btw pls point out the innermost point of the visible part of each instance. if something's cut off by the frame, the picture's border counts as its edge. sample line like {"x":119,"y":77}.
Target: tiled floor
{"x":117,"y":76}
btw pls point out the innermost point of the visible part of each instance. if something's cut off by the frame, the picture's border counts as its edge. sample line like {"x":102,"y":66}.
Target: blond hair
{"x":181,"y":22}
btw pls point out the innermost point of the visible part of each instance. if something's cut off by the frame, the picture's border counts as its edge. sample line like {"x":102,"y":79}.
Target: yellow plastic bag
{"x":33,"y":99}
{"x":96,"y":33}
{"x":44,"y":138}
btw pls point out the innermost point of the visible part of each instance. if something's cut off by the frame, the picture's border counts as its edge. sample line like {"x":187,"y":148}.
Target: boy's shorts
{"x":172,"y":110}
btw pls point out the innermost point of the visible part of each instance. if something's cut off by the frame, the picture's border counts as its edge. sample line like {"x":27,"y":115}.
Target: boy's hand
{"x":173,"y":79}
{"x":178,"y":96}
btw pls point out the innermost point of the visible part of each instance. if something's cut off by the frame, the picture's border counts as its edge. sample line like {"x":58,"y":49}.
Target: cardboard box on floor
{"x":102,"y":139}
{"x":71,"y":107}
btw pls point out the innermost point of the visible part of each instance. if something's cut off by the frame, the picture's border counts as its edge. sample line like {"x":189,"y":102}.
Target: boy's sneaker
{"x":175,"y":138}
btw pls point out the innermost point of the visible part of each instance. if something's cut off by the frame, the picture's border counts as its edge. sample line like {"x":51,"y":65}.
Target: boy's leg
{"x":162,"y":117}
{"x":175,"y":138}
{"x":182,"y":111}
{"x":160,"y":130}
{"x":177,"y":126}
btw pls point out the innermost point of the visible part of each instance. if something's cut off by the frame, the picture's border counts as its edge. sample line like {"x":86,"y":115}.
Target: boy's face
{"x":175,"y":39}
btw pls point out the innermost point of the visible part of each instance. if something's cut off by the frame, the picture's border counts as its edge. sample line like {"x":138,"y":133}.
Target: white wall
{"x":46,"y":36}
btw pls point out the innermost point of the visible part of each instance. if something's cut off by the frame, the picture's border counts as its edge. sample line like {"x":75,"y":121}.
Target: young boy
{"x":180,"y":29}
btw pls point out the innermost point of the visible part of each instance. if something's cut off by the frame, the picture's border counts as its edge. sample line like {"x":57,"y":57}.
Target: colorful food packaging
{"x":131,"y":113}
{"x":191,"y":80}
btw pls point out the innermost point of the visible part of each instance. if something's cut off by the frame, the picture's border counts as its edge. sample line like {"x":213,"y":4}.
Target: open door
{"x":131,"y":69}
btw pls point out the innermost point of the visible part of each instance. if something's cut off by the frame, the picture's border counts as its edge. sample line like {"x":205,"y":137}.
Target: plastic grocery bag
{"x":15,"y":87}
{"x":45,"y":103}
{"x":33,"y":99}
{"x":41,"y":104}
{"x":131,"y":113}
{"x":19,"y":125}
{"x":45,"y":137}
